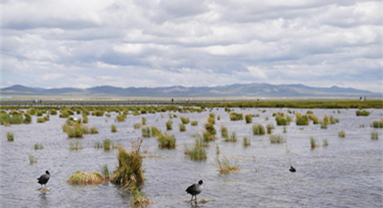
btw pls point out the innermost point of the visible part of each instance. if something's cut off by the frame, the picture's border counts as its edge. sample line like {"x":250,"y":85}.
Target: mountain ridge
{"x":233,"y":90}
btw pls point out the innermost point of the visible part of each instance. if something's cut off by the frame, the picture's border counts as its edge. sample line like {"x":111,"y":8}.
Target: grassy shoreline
{"x":325,"y":104}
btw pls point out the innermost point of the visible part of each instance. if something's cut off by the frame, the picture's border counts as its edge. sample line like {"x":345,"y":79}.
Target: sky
{"x":154,"y":43}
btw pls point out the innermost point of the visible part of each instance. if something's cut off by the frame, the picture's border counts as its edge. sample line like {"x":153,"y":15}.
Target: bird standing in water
{"x":292,"y":169}
{"x":43,"y":180}
{"x":195,"y":189}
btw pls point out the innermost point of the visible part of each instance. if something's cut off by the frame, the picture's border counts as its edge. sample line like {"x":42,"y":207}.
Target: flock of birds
{"x":193,"y":190}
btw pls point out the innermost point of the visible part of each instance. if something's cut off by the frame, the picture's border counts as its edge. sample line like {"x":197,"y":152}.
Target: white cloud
{"x":162,"y":43}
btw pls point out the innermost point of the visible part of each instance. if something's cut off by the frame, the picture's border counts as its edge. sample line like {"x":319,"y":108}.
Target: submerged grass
{"x":341,"y":134}
{"x":232,"y":138}
{"x":258,"y":129}
{"x":76,"y":145}
{"x":374,"y":135}
{"x":166,"y":141}
{"x":10,"y":137}
{"x":226,"y":166}
{"x":276,"y":139}
{"x":85,"y":178}
{"x":32,"y":159}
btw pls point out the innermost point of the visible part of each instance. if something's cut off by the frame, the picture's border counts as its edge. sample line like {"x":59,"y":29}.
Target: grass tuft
{"x":232,"y":138}
{"x":76,"y":145}
{"x":258,"y":129}
{"x":32,"y":159}
{"x":38,"y":146}
{"x":246,"y":142}
{"x":341,"y":134}
{"x":85,"y":178}
{"x":313,"y":143}
{"x":10,"y":137}
{"x":113,"y":128}
{"x":236,"y":116}
{"x":374,"y":135}
{"x":166,"y":141}
{"x":276,"y":139}
{"x":226,"y":166}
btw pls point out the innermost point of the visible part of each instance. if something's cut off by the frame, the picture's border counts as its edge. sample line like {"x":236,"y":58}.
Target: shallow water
{"x":348,"y":173}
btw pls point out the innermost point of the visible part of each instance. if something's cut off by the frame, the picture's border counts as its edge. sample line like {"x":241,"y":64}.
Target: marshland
{"x":242,"y":152}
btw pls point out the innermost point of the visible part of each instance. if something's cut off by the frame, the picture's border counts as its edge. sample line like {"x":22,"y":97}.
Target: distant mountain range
{"x":235,"y":90}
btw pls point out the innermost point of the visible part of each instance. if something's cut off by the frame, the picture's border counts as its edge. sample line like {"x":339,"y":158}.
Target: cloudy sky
{"x":151,"y":43}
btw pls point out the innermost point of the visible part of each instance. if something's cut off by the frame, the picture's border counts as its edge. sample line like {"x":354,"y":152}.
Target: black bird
{"x":43,"y":180}
{"x":292,"y":169}
{"x":195,"y":189}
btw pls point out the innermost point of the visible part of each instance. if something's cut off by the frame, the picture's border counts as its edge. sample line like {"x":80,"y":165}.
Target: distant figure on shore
{"x":292,"y":169}
{"x":43,"y":180}
{"x":195,"y":189}
{"x":172,"y":100}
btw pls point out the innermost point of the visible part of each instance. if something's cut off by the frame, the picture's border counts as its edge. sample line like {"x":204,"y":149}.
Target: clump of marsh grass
{"x":208,"y":137}
{"x":184,"y":120}
{"x":313,"y":118}
{"x":143,"y":120}
{"x":194,"y":123}
{"x":313,"y":143}
{"x":40,"y":120}
{"x":211,"y":120}
{"x":98,"y":145}
{"x":93,"y":130}
{"x":129,"y":172}
{"x":166,"y":141}
{"x":341,"y":134}
{"x":333,"y":120}
{"x":325,"y":143}
{"x":258,"y":129}
{"x":32,"y":159}
{"x":217,"y":151}
{"x":282,"y":119}
{"x":137,"y":125}
{"x":232,"y":137}
{"x":284,"y":130}
{"x":155,"y":131}
{"x":269,"y":128}
{"x":248,"y":118}
{"x":196,"y":151}
{"x":138,"y":199}
{"x":210,"y":128}
{"x":301,"y":120}
{"x":377,"y":124}
{"x":374,"y":135}
{"x":76,"y":145}
{"x":169,"y":125}
{"x":182,"y":127}
{"x":85,"y":178}
{"x":226,"y":166}
{"x":38,"y":146}
{"x":236,"y":116}
{"x":323,"y":124}
{"x":107,"y":144}
{"x":146,"y":132}
{"x":276,"y":139}
{"x":113,"y":128}
{"x":120,"y":117}
{"x":10,"y":137}
{"x":246,"y":142}
{"x":224,"y":133}
{"x":362,"y":113}
{"x":84,"y":118}
{"x":105,"y":172}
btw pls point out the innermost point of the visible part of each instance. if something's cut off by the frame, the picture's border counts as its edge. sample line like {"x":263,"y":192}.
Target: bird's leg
{"x":191,"y":199}
{"x":196,"y":198}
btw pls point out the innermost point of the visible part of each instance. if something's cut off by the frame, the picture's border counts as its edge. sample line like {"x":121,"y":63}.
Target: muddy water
{"x":348,"y":173}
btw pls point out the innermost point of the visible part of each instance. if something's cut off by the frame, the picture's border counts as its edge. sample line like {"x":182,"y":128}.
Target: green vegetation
{"x":121,"y":118}
{"x":138,"y":199}
{"x":217,"y":151}
{"x":362,"y":113}
{"x":108,"y":144}
{"x":301,"y":120}
{"x":269,"y":128}
{"x":146,"y":132}
{"x":38,"y":146}
{"x":313,"y":118}
{"x":227,"y":166}
{"x":341,"y":134}
{"x":194,"y":123}
{"x":276,"y":139}
{"x":85,"y":178}
{"x":105,"y":172}
{"x":374,"y":135}
{"x":137,"y":125}
{"x":313,"y":143}
{"x":113,"y":128}
{"x":248,"y":118}
{"x":377,"y":124}
{"x":210,"y":128}
{"x":74,"y":129}
{"x":143,"y":120}
{"x":196,"y":151}
{"x":236,"y":116}
{"x":211,"y":120}
{"x":15,"y":118}
{"x":232,"y":138}
{"x":169,"y":125}
{"x":166,"y":141}
{"x":208,"y":137}
{"x":246,"y":142}
{"x":184,"y":120}
{"x":258,"y":129}
{"x":224,"y":133}
{"x":182,"y":127}
{"x":282,"y":119}
{"x":129,"y":172}
{"x":323,"y":125}
{"x":40,"y":120}
{"x":10,"y":137}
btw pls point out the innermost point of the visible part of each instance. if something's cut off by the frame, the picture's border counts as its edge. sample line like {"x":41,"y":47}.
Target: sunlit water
{"x":348,"y":173}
